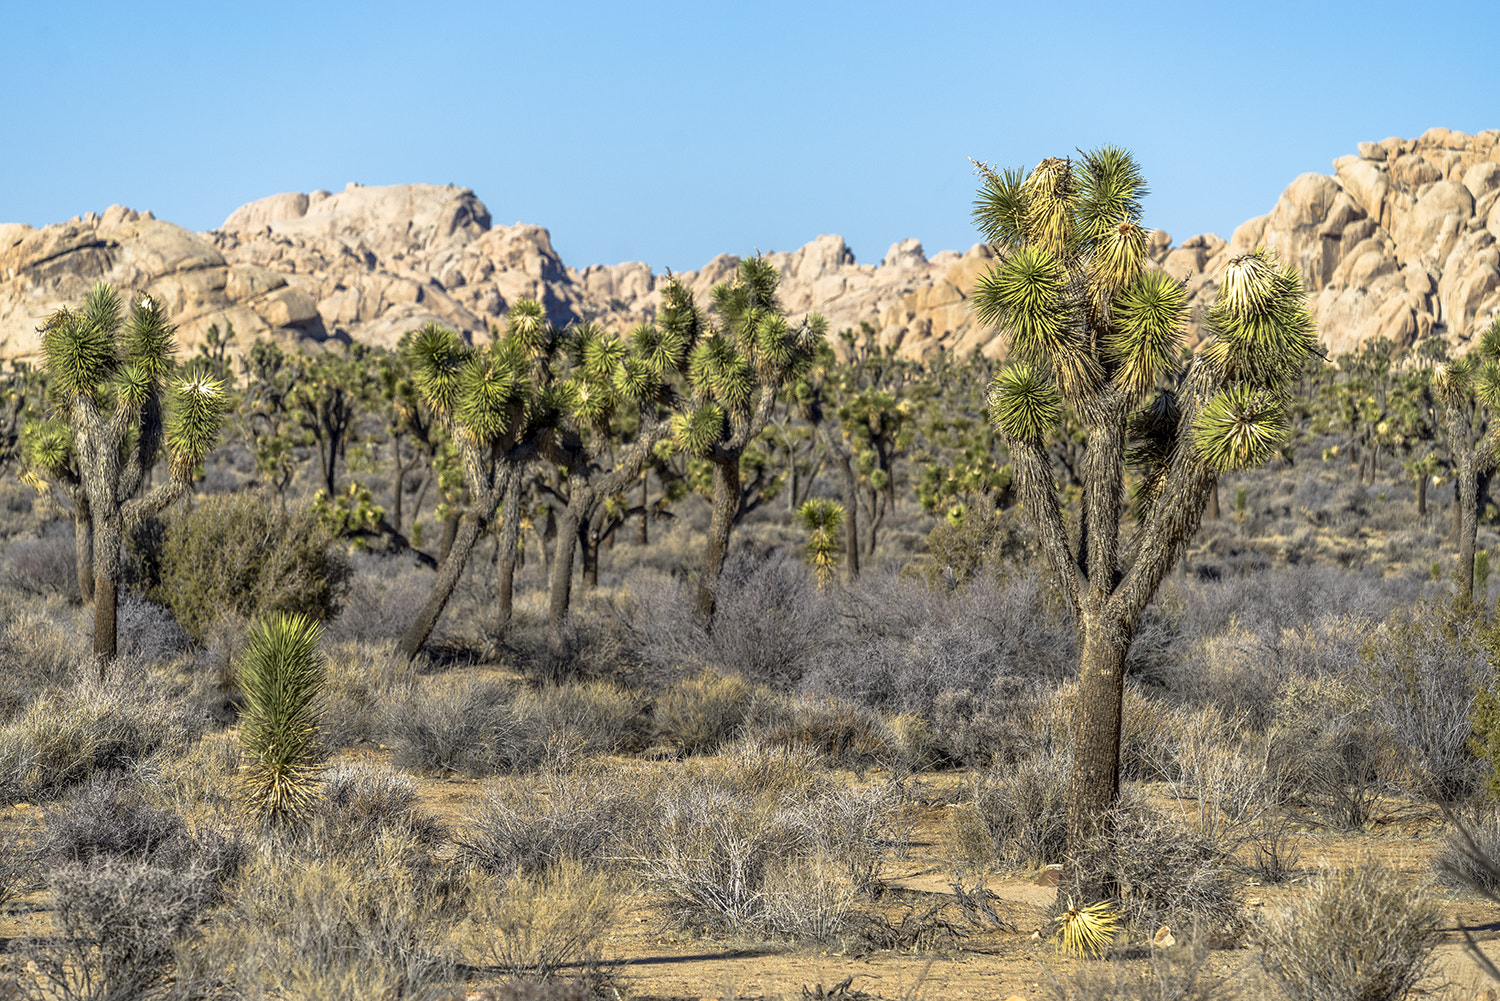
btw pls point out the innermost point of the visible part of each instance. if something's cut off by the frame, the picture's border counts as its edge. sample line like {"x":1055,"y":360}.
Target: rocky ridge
{"x":1399,"y":242}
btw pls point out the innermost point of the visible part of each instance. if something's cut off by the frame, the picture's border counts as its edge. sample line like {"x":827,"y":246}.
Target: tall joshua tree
{"x":1095,"y":328}
{"x":496,"y":403}
{"x":107,"y":376}
{"x":1468,"y":387}
{"x":734,"y":374}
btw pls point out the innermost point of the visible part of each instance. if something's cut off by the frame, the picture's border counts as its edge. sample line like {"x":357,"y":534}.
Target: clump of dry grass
{"x":1354,"y":935}
{"x":537,"y":925}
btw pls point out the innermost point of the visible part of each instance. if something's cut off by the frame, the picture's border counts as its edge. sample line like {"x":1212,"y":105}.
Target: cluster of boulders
{"x":1399,"y":243}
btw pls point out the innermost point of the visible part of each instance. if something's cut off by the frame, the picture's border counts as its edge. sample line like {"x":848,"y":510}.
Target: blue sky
{"x":671,"y":132}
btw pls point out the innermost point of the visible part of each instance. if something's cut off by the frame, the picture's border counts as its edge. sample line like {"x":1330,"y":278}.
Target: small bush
{"x":110,"y":818}
{"x":470,"y":729}
{"x":584,"y":819}
{"x":43,"y":566}
{"x":357,"y":804}
{"x":17,"y":868}
{"x":341,"y":928}
{"x":40,"y":649}
{"x":146,"y":632}
{"x":66,"y":736}
{"x":1180,"y":973}
{"x":282,"y":678}
{"x":121,"y":926}
{"x":702,"y":713}
{"x":535,"y":925}
{"x":1354,"y":934}
{"x":385,"y":594}
{"x":243,"y":554}
{"x":1024,"y":810}
{"x":1470,"y":847}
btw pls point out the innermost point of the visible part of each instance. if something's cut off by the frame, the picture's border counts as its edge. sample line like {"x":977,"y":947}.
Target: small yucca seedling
{"x":1088,"y":931}
{"x":281,"y":676}
{"x":822,"y":518}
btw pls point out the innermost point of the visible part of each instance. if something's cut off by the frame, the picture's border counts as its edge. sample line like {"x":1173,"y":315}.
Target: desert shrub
{"x":244,"y":554}
{"x":1162,"y":870}
{"x":466,"y":728}
{"x":1471,"y":844}
{"x":122,"y":925}
{"x":1334,"y":772}
{"x":110,"y":818}
{"x":39,"y":649}
{"x":1353,"y":934}
{"x":585,"y":717}
{"x":710,"y":839}
{"x":983,"y":539}
{"x":771,"y":621}
{"x":583,"y":819}
{"x":43,"y":566}
{"x":360,"y":675}
{"x":1012,"y":720}
{"x":807,"y":898}
{"x":536,"y":925}
{"x":851,"y":736}
{"x":1024,"y":811}
{"x":907,"y":644}
{"x":357,"y":804}
{"x":146,"y":631}
{"x":385,"y":594}
{"x":197,"y":782}
{"x":17,"y":868}
{"x":67,"y":735}
{"x":334,"y":927}
{"x":701,"y":713}
{"x":1419,"y":677}
{"x":1180,"y":973}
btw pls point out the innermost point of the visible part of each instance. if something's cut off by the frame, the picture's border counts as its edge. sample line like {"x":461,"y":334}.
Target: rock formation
{"x":1399,"y":242}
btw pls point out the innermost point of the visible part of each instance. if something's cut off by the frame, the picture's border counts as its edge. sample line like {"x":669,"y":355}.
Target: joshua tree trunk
{"x":83,"y":546}
{"x":509,"y":546}
{"x":561,"y":596}
{"x":1421,"y":494}
{"x":1468,"y":527}
{"x":643,"y":534}
{"x":725,"y":502}
{"x":449,"y":570}
{"x":589,"y":542}
{"x":1095,"y":783}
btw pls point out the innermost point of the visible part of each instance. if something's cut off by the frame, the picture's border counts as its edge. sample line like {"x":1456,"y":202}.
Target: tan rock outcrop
{"x":1401,"y":241}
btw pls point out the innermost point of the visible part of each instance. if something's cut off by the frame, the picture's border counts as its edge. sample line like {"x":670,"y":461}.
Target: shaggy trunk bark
{"x":851,"y":516}
{"x":562,"y":579}
{"x":106,"y":574}
{"x":1468,"y":528}
{"x":1095,"y":784}
{"x":643,"y":533}
{"x":1422,"y":494}
{"x":83,"y":547}
{"x":725,"y":502}
{"x":588,"y":541}
{"x":449,"y":571}
{"x":450,"y":535}
{"x":509,"y":545}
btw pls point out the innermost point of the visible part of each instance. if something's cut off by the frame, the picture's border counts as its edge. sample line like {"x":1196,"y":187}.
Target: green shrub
{"x":282,"y":676}
{"x":244,"y":554}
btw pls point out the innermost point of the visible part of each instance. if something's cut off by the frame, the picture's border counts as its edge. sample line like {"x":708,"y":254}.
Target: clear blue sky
{"x":671,"y":132}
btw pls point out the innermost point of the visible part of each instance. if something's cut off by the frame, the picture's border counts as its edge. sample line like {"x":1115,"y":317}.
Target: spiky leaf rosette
{"x":1263,"y":327}
{"x":149,"y":339}
{"x":281,"y":676}
{"x":1149,"y":318}
{"x":594,"y":351}
{"x":680,"y":322}
{"x":487,"y":390}
{"x":48,"y":447}
{"x":1488,"y":347}
{"x":1116,"y":261}
{"x":822,"y":518}
{"x":1048,"y":190}
{"x":196,"y":411}
{"x":1032,"y":294}
{"x":716,"y":370}
{"x":527,"y":328}
{"x":1486,"y":381}
{"x":1110,"y":189}
{"x":662,"y":350}
{"x":1240,"y":427}
{"x":1088,"y":931}
{"x":695,"y":431}
{"x":1024,"y":405}
{"x":437,"y":357}
{"x":589,"y":402}
{"x":636,"y":379}
{"x":1000,"y":207}
{"x":80,"y":347}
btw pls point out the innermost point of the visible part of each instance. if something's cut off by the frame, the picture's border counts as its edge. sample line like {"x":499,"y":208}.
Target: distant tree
{"x":106,"y":377}
{"x":1094,"y":327}
{"x":1469,"y":388}
{"x":735,"y":373}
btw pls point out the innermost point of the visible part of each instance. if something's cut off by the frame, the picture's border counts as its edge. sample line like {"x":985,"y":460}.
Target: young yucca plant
{"x":281,"y":675}
{"x":1087,"y":931}
{"x":822,"y":519}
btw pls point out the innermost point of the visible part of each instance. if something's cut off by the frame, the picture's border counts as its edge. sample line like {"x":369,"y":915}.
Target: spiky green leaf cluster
{"x":80,"y":347}
{"x":822,"y":518}
{"x":695,"y":431}
{"x":1240,"y":427}
{"x":1149,"y":318}
{"x":718,"y":371}
{"x":197,"y":407}
{"x":437,"y":357}
{"x":1023,"y":404}
{"x":1262,"y":325}
{"x":1088,"y":931}
{"x":281,"y":676}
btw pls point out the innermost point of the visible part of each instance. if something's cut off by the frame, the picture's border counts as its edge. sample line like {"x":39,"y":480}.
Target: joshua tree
{"x":105,"y":379}
{"x":734,"y":375}
{"x":496,"y":403}
{"x":1094,"y":327}
{"x":1469,"y":388}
